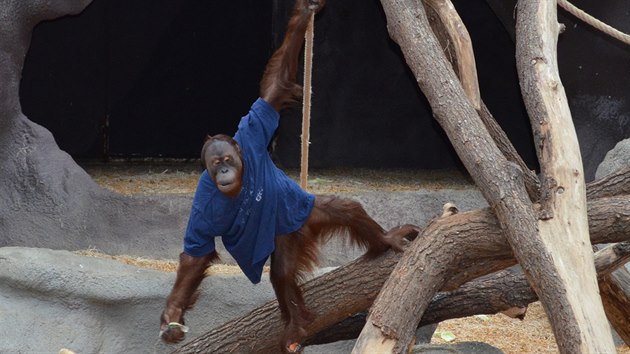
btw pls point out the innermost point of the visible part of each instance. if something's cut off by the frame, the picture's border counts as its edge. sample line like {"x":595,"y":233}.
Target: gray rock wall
{"x":154,"y":226}
{"x":51,"y":300}
{"x":617,"y":158}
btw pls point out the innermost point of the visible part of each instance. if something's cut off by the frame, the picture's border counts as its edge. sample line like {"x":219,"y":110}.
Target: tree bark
{"x":391,"y":324}
{"x":532,"y":184}
{"x":611,"y":257}
{"x":329,"y":297}
{"x":611,"y":185}
{"x":568,"y":290}
{"x":489,"y":294}
{"x":615,"y":291}
{"x":350,"y":289}
{"x":452,"y":34}
{"x":498,"y":292}
{"x":457,"y":46}
{"x":614,"y":286}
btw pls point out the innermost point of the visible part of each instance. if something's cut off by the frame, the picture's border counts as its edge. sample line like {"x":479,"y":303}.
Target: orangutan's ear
{"x":238,"y":149}
{"x":206,"y":143}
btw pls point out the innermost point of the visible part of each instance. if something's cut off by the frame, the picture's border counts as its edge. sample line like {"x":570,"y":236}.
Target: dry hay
{"x":160,"y":265}
{"x":144,"y":178}
{"x":532,"y":335}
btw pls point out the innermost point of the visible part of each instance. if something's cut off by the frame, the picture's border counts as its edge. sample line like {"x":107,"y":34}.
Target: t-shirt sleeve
{"x":258,"y":126}
{"x":198,"y":241}
{"x":199,"y":237}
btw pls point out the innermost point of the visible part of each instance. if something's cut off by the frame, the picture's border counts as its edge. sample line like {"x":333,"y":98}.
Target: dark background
{"x":149,"y":78}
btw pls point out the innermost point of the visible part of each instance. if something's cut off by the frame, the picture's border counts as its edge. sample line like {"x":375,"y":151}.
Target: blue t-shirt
{"x":269,"y":204}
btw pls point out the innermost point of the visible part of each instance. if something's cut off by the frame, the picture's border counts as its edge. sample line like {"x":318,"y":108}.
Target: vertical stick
{"x":567,"y":286}
{"x":306,"y":103}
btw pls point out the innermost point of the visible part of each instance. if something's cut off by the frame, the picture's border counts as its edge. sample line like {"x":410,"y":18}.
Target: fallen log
{"x":614,"y":288}
{"x":492,"y":294}
{"x":488,"y":295}
{"x":611,"y":257}
{"x":614,"y":184}
{"x":615,"y":292}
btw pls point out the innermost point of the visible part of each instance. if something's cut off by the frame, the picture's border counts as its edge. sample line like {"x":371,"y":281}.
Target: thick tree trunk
{"x":391,"y":324}
{"x":568,"y":290}
{"x":470,"y":239}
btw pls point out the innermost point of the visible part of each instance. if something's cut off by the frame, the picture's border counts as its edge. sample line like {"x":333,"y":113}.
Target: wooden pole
{"x":306,"y":103}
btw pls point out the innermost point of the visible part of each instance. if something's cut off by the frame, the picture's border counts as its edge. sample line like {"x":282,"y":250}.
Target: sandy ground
{"x":532,"y":335}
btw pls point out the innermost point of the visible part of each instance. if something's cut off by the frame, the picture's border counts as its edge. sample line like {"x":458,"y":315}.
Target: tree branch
{"x":452,"y":34}
{"x":490,"y":294}
{"x":568,"y":290}
{"x":352,"y":288}
{"x":391,"y":324}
